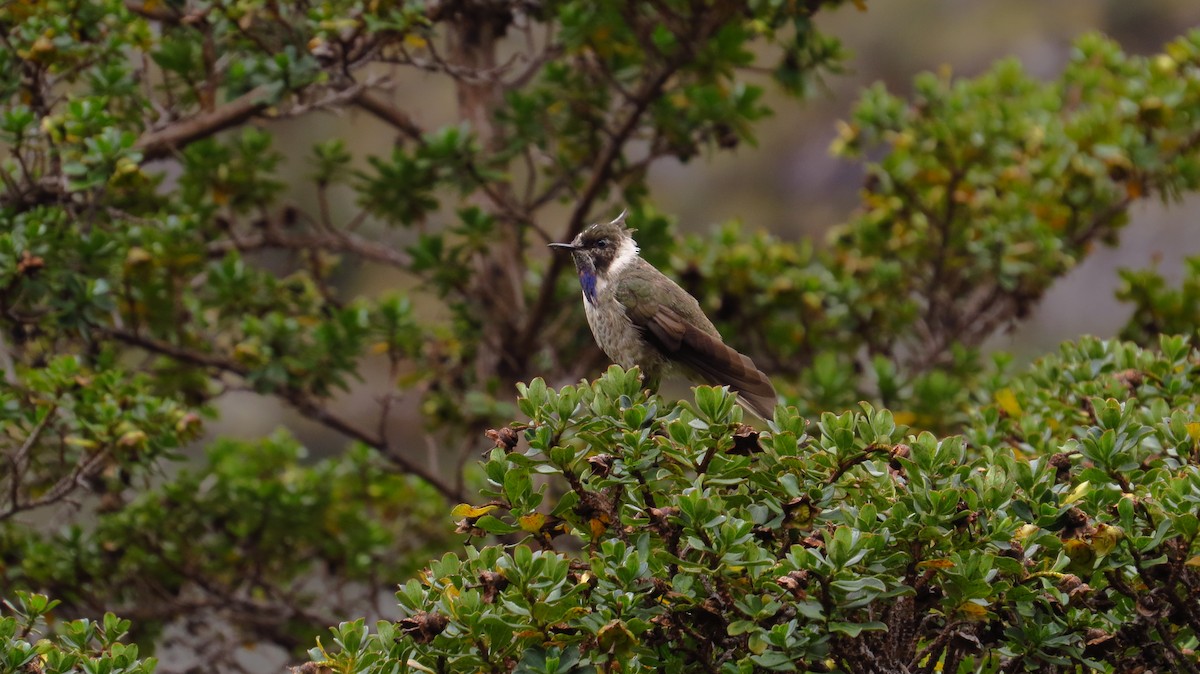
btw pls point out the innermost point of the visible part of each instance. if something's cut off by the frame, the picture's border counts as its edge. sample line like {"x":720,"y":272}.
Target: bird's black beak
{"x":564,"y":246}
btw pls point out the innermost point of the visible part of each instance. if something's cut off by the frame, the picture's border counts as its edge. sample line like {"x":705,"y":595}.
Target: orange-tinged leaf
{"x":532,"y":522}
{"x":598,"y":527}
{"x":936,"y":564}
{"x":1194,"y":561}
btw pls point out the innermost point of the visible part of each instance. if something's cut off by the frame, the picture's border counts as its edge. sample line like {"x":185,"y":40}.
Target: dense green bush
{"x":1060,"y":531}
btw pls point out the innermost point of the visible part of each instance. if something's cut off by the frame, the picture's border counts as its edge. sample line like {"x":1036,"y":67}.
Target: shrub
{"x":1059,"y":531}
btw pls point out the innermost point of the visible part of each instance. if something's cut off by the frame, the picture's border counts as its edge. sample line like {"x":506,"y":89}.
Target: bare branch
{"x":200,"y":358}
{"x":158,"y":144}
{"x":85,"y":468}
{"x":389,"y":113}
{"x":339,"y":242}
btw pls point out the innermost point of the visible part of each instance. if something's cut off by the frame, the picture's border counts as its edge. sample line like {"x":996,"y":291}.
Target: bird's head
{"x":602,"y":249}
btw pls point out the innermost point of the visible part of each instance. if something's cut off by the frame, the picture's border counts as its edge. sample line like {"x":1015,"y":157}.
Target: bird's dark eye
{"x":602,"y":243}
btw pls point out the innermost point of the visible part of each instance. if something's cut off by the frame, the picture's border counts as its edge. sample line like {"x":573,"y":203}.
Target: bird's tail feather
{"x":724,"y":366}
{"x":713,"y":361}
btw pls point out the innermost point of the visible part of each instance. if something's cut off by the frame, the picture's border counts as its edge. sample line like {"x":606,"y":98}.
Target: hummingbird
{"x":640,"y":317}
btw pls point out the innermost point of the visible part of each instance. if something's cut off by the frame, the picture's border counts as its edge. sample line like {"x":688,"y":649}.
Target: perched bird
{"x":640,"y":317}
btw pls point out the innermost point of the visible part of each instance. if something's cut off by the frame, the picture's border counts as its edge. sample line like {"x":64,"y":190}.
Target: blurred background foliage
{"x":220,"y":218}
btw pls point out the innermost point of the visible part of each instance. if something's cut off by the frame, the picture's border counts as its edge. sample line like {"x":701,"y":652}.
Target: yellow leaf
{"x":468,"y":510}
{"x":379,"y":347}
{"x":1078,"y":492}
{"x":1081,"y":554}
{"x":413,"y":41}
{"x":972,"y":611}
{"x":134,"y":438}
{"x":903,"y":418}
{"x":1007,"y":401}
{"x":1194,"y":561}
{"x":76,"y":441}
{"x":1106,"y":538}
{"x":532,"y":522}
{"x":936,"y":564}
{"x":1193,"y":430}
{"x":41,"y":45}
{"x":1025,"y":532}
{"x":137,"y":256}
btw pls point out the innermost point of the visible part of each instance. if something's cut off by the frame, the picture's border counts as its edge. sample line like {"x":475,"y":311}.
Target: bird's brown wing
{"x":706,"y":355}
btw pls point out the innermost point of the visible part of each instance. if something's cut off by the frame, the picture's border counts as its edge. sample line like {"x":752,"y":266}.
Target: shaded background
{"x":788,"y":183}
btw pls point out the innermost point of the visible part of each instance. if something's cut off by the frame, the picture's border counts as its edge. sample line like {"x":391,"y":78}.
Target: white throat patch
{"x":625,"y":256}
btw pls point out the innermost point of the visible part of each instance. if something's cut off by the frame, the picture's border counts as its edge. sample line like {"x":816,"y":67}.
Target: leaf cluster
{"x":26,"y":645}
